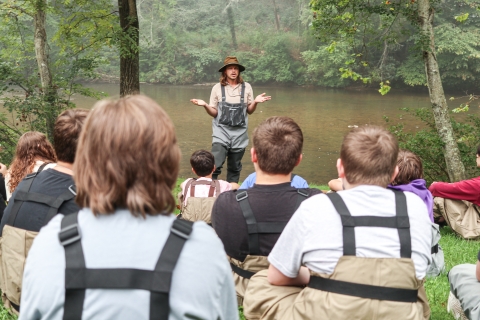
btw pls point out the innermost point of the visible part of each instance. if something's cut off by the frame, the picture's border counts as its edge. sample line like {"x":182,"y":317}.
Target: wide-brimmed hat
{"x":231,"y":60}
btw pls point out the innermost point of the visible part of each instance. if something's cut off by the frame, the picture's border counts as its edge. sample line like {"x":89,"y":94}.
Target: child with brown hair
{"x":410,"y":178}
{"x":198,"y":195}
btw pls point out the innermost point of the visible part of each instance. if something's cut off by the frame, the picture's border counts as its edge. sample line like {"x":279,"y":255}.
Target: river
{"x":323,"y":114}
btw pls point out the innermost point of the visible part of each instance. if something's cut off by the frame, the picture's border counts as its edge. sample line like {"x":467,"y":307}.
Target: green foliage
{"x":428,"y":146}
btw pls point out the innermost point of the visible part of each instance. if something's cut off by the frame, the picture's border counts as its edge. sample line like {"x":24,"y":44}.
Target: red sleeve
{"x":468,"y":190}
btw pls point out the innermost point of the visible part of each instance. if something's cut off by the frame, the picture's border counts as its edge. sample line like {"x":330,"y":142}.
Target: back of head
{"x":369,"y":156}
{"x":66,"y":133}
{"x":409,"y":167}
{"x":127,"y":157}
{"x":203,"y":162}
{"x":31,"y":146}
{"x":278,"y":143}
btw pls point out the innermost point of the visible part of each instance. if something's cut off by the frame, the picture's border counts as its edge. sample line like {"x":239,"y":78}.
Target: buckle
{"x":301,"y":192}
{"x":72,"y":190}
{"x":31,"y":175}
{"x":69,"y":239}
{"x":179,"y":233}
{"x":241,"y":196}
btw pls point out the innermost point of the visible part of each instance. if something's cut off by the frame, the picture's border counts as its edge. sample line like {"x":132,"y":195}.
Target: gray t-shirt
{"x":202,"y":284}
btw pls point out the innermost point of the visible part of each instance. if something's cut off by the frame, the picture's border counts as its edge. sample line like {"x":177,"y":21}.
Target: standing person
{"x":231,"y":101}
{"x":124,"y":255}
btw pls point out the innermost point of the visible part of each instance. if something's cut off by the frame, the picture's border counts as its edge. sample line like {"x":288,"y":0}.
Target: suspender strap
{"x":349,"y":247}
{"x":69,"y":237}
{"x":242,"y":94}
{"x":158,"y":281}
{"x":241,"y":272}
{"x":253,"y":246}
{"x":435,"y":249}
{"x":363,"y":290}
{"x":25,"y":188}
{"x":403,"y":225}
{"x":68,"y":195}
{"x":223,"y":93}
{"x":302,"y":195}
{"x":214,"y":185}
{"x":399,"y":222}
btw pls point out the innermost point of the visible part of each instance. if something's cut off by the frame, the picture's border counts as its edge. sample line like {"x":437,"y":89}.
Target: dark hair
{"x":369,"y":156}
{"x":128,"y":157}
{"x":278,"y":143}
{"x":203,"y":162}
{"x":66,"y":132}
{"x":409,"y":167}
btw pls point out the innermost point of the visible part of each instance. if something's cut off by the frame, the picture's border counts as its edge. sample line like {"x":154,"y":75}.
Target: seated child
{"x":410,"y":178}
{"x":198,"y":195}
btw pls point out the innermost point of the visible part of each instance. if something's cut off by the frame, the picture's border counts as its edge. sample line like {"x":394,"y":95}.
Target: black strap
{"x":241,"y":272}
{"x":223,"y":92}
{"x":255,"y":228}
{"x":157,"y":281}
{"x":400,"y":221}
{"x":25,"y":188}
{"x":435,"y":249}
{"x":68,"y":195}
{"x":363,"y":290}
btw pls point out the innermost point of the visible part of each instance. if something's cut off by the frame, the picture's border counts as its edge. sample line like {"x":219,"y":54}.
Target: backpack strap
{"x":68,"y":195}
{"x":253,"y":227}
{"x":302,"y":195}
{"x":185,"y":190}
{"x":22,"y":190}
{"x":217,"y":187}
{"x":400,"y":222}
{"x":78,"y":278}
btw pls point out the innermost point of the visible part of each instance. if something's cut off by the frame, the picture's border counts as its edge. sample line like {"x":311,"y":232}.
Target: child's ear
{"x":395,"y":173}
{"x":193,"y":170}
{"x":214,"y":168}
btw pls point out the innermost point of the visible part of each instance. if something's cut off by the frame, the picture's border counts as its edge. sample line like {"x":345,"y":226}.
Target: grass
{"x":456,"y":249}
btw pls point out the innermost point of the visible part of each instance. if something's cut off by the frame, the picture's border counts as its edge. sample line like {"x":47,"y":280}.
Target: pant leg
{"x":219,"y":152}
{"x":465,"y":286}
{"x":234,"y":164}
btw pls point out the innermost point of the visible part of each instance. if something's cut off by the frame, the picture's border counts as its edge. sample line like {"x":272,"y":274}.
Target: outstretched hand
{"x":198,"y":102}
{"x":262,"y":98}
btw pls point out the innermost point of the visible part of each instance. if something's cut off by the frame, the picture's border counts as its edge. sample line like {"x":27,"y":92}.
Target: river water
{"x":323,"y":114}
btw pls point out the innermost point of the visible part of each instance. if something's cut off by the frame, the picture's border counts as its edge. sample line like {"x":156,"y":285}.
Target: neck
{"x":267,"y":178}
{"x":232,"y":82}
{"x":347,"y":185}
{"x":64,"y":167}
{"x":208,"y":177}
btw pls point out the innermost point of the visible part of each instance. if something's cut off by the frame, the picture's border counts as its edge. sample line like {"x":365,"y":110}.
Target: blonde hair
{"x":127,"y":157}
{"x":369,"y":156}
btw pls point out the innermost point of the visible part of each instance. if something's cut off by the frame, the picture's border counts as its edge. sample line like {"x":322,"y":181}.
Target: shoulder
{"x":248,"y":86}
{"x":217,"y":87}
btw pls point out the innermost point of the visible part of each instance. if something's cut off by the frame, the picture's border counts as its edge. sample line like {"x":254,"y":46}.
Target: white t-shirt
{"x":314,"y":235}
{"x":202,"y":284}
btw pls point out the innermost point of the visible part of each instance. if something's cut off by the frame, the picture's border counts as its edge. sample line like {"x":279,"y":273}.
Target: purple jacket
{"x":419,"y":187}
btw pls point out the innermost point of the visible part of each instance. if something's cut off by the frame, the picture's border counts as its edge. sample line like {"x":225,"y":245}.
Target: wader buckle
{"x":69,"y":234}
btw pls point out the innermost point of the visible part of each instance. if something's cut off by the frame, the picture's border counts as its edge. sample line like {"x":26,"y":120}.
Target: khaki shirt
{"x":232,"y":94}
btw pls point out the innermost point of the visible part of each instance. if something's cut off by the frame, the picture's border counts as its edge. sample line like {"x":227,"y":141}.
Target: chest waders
{"x":232,"y":114}
{"x":16,"y":242}
{"x":198,"y":208}
{"x":78,"y":277}
{"x":254,"y":262}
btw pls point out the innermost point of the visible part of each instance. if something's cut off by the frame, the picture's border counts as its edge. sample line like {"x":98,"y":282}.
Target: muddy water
{"x":324,"y":116}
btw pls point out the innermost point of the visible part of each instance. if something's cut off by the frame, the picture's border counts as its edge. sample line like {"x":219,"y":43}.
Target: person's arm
{"x":462,"y":190}
{"x":259,"y":99}
{"x":335,"y":184}
{"x":212,"y":111}
{"x":277,"y":278}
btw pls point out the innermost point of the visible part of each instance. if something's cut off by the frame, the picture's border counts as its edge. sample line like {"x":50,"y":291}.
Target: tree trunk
{"x":455,"y":168}
{"x":129,"y":46}
{"x":277,"y":18}
{"x":48,"y":91}
{"x":231,"y":22}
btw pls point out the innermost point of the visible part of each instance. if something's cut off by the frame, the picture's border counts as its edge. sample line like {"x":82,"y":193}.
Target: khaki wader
{"x":198,"y":208}
{"x":462,"y":216}
{"x":15,"y":243}
{"x":359,"y":288}
{"x":254,"y":262}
